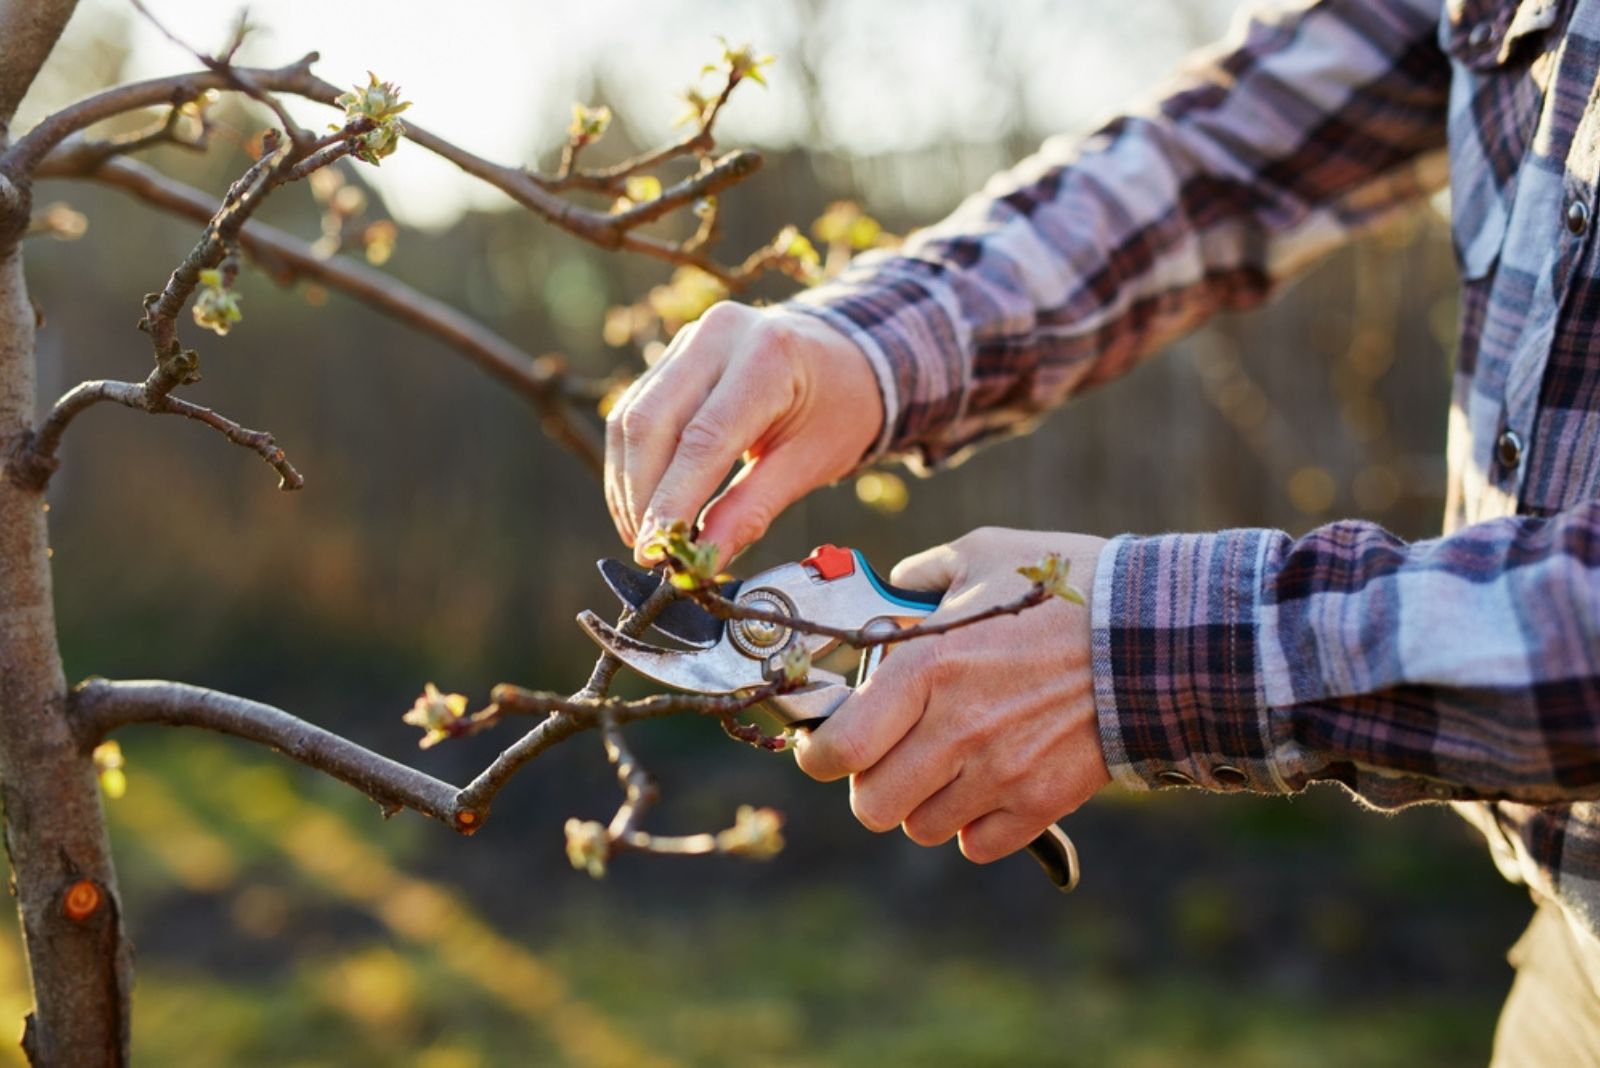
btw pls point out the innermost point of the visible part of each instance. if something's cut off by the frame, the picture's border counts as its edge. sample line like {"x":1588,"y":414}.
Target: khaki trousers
{"x":1552,"y":1017}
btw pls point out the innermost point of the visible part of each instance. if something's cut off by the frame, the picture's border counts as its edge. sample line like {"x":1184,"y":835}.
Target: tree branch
{"x":865,"y":637}
{"x":22,"y":157}
{"x":236,"y":78}
{"x":594,"y":712}
{"x":286,"y":259}
{"x":277,"y":166}
{"x":36,"y":458}
{"x":99,"y":707}
{"x":83,"y":154}
{"x":534,"y":192}
{"x":613,"y":179}
{"x":731,"y":169}
{"x":559,"y":724}
{"x":29,"y":29}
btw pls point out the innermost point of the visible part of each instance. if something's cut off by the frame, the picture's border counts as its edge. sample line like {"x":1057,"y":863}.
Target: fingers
{"x":937,"y":820}
{"x":733,"y":418}
{"x":880,"y":712}
{"x":886,"y":794}
{"x":651,"y":427}
{"x":616,"y":452}
{"x":999,"y":834}
{"x":938,"y":568}
{"x":763,"y":488}
{"x":644,"y":423}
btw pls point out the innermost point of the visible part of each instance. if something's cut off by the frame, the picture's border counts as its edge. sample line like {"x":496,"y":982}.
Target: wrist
{"x":850,"y":357}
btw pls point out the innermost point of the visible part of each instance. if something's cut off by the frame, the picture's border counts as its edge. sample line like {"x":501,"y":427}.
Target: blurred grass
{"x":276,"y":930}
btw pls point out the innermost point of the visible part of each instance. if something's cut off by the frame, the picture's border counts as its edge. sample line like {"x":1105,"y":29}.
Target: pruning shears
{"x":834,"y":586}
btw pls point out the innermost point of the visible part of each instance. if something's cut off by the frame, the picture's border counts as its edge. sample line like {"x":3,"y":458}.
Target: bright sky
{"x":500,"y":76}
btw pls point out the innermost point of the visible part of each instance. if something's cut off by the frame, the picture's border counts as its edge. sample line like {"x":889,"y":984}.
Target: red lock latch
{"x":831,"y":562}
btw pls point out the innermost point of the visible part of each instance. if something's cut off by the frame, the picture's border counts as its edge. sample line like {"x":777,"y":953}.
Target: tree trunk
{"x":54,"y":829}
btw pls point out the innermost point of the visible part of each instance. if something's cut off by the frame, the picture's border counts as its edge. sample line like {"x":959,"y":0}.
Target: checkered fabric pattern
{"x":1463,"y":669}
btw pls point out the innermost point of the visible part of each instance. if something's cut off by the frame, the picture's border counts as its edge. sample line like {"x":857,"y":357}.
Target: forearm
{"x":1093,"y":253}
{"x":1467,"y":667}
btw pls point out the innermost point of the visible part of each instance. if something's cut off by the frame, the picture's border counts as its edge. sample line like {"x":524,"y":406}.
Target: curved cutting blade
{"x":681,"y":620}
{"x":721,"y":669}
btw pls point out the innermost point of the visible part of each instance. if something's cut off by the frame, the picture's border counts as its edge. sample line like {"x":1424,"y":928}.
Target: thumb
{"x":938,"y":568}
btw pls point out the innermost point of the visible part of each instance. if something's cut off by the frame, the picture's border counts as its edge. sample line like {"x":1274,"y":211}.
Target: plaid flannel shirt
{"x":1464,"y":668}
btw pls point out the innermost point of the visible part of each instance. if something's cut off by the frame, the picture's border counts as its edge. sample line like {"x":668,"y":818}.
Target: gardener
{"x":1464,"y":669}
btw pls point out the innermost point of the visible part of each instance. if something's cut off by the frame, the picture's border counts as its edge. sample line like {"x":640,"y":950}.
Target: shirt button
{"x":1173,"y":778}
{"x":1577,"y":217}
{"x":1228,"y":775}
{"x":1508,"y":449}
{"x":1480,"y":35}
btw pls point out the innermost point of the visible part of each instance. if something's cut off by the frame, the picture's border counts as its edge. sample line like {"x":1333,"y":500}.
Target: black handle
{"x":1057,"y":856}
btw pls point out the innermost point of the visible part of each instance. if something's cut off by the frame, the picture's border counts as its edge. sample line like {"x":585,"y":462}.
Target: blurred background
{"x":279,"y":921}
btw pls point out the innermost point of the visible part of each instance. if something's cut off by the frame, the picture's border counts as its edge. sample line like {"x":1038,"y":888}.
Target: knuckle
{"x":849,"y":754}
{"x":723,"y":313}
{"x":869,"y":812}
{"x":980,"y":852}
{"x":780,"y":336}
{"x":701,"y":437}
{"x":752,"y":524}
{"x":637,"y":424}
{"x":923,"y":830}
{"x":1033,"y":796}
{"x":978,"y":538}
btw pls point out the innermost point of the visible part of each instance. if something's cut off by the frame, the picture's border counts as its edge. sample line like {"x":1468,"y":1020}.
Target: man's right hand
{"x":795,"y":398}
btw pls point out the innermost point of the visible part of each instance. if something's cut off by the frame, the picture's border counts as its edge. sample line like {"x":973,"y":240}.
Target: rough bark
{"x":54,"y":829}
{"x":28,"y":31}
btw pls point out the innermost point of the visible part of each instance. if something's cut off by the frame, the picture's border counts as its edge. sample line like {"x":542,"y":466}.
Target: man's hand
{"x":780,"y":388}
{"x":987,"y":732}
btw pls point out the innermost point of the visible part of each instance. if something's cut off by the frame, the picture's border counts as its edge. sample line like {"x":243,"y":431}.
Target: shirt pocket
{"x":1496,"y":92}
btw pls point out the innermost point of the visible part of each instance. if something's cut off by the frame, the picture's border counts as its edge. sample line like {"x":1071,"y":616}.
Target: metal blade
{"x":721,"y":669}
{"x":681,"y":620}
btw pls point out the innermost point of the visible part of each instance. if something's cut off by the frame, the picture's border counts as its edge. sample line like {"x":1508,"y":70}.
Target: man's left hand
{"x":987,"y":732}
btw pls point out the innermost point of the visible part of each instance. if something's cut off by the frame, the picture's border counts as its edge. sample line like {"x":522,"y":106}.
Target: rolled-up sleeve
{"x":1318,"y":118}
{"x":1461,"y":668}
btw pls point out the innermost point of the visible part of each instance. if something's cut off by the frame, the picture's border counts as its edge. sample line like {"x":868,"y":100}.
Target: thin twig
{"x":613,"y":179}
{"x":165,"y":132}
{"x":559,"y":725}
{"x":515,"y":700}
{"x":534,"y":192}
{"x":276,"y":167}
{"x":37,"y":458}
{"x":236,"y":78}
{"x":639,"y":789}
{"x":287,"y":259}
{"x":731,"y":169}
{"x":864,"y":637}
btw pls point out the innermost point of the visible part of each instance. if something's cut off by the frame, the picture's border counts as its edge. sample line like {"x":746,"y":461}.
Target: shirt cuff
{"x":1177,"y":632}
{"x":908,"y":322}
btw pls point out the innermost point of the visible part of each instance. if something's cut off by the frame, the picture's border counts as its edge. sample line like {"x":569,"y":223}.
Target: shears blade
{"x":682,"y":620}
{"x":716,"y":670}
